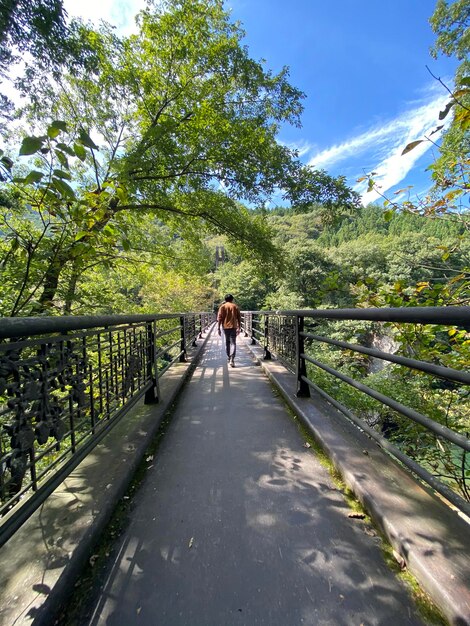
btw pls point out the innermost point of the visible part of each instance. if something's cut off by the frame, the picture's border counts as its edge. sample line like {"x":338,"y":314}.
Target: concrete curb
{"x":42,"y":561}
{"x":433,"y":540}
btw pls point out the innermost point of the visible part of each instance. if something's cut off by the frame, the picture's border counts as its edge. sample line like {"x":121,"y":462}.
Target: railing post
{"x":152,"y":395}
{"x":267,"y":353}
{"x":193,"y":330}
{"x":245,"y":323}
{"x":201,"y":317}
{"x":183,"y":340}
{"x":303,"y":390}
{"x":252,"y":328}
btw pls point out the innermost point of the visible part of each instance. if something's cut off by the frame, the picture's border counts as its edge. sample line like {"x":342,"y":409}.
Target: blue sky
{"x":361,"y":64}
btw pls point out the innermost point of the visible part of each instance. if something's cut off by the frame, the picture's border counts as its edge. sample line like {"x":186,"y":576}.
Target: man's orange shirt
{"x":229,"y":315}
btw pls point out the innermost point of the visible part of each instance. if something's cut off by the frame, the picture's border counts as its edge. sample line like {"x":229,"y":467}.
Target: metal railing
{"x":64,"y":382}
{"x":287,"y":336}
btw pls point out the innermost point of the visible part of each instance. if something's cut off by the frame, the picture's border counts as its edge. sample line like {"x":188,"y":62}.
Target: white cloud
{"x":120,"y":13}
{"x":380,"y":148}
{"x":302,"y":148}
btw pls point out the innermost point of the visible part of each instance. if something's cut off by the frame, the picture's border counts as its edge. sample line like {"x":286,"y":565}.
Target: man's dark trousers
{"x":230,"y":340}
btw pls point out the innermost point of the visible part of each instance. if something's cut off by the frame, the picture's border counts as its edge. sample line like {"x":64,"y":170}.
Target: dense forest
{"x":131,"y":159}
{"x":362,"y":260}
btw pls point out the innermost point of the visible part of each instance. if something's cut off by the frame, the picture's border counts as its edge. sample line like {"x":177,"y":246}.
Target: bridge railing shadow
{"x":288,"y":335}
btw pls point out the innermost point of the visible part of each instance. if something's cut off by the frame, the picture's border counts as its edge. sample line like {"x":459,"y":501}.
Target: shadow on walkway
{"x":237,"y":522}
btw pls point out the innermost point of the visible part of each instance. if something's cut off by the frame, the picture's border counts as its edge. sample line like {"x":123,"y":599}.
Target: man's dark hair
{"x":229,"y":297}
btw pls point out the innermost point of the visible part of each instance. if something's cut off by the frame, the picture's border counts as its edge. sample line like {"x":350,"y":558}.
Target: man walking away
{"x":229,"y":318}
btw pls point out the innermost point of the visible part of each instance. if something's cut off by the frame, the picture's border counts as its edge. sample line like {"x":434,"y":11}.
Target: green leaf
{"x":50,"y":195}
{"x":388,"y":215}
{"x":110,"y":230}
{"x":126,"y":245}
{"x":411,"y":146}
{"x":33,"y":177}
{"x":59,"y":124}
{"x":31,"y":145}
{"x":80,"y":249}
{"x":79,"y":151}
{"x":62,"y":174}
{"x":81,"y":235}
{"x":53,"y":132}
{"x":65,"y":148}
{"x":62,"y":158}
{"x":63,"y":188}
{"x":87,"y":141}
{"x":6,"y":162}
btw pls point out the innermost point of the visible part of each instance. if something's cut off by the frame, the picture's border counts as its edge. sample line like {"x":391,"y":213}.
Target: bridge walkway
{"x":238,"y":523}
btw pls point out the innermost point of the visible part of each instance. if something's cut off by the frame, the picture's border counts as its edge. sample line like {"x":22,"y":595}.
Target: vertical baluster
{"x":127,"y":367}
{"x":201,"y":318}
{"x":120,"y":368}
{"x":116,"y":374}
{"x":183,"y":340}
{"x":68,"y":368}
{"x":134,"y":354}
{"x":107,"y":377}
{"x":100,"y":373}
{"x":303,"y":390}
{"x":152,"y":394}
{"x":267,"y":354}
{"x":110,"y":377}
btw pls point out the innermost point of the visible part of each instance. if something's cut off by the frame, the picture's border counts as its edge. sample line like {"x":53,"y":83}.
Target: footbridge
{"x":144,"y":481}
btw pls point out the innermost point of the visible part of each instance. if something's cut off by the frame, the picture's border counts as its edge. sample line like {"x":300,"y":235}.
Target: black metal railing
{"x":64,"y":382}
{"x":288,"y":336}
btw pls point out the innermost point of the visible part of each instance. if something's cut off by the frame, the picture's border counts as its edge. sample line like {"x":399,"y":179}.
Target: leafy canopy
{"x":177,"y":126}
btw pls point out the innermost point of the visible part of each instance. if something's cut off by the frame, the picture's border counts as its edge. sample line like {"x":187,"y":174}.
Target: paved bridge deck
{"x":238,"y":523}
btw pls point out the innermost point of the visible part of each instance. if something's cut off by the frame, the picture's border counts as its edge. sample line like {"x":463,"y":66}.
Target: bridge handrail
{"x":283,"y":333}
{"x":64,"y":382}
{"x":29,"y":326}
{"x":446,"y":315}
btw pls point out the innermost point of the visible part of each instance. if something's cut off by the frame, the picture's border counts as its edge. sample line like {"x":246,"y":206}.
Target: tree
{"x":36,"y":33}
{"x":244,"y":279}
{"x":184,"y":128}
{"x":35,"y":26}
{"x":450,"y":24}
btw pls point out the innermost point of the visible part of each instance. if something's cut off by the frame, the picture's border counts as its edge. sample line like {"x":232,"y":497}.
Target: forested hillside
{"x":365,"y":258}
